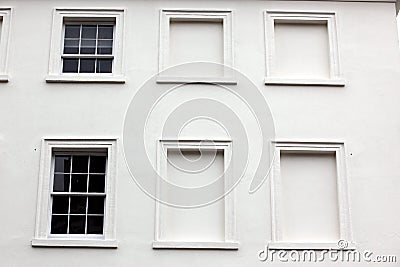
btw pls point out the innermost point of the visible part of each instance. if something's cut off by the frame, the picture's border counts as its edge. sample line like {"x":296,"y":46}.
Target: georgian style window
{"x":5,"y":19}
{"x":76,"y":193}
{"x":88,"y":48}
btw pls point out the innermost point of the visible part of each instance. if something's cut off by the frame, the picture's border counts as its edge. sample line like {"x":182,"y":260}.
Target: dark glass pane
{"x":78,"y":205}
{"x":88,"y":50}
{"x":71,"y":46}
{"x":79,"y":183}
{"x":104,"y":50}
{"x":60,"y":205}
{"x":71,"y":50}
{"x":80,"y":164}
{"x":97,"y":164}
{"x":96,"y":205}
{"x":96,"y":183}
{"x":106,"y":32}
{"x":89,"y":31}
{"x":62,"y":164}
{"x":77,"y":224}
{"x":95,"y":225}
{"x":70,"y":65}
{"x":87,"y":65}
{"x":59,"y":224}
{"x":61,"y":183}
{"x":104,"y":47}
{"x":72,"y":31}
{"x":104,"y":66}
{"x":88,"y":46}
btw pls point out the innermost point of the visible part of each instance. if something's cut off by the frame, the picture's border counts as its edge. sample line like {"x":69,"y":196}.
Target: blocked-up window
{"x":197,"y":40}
{"x":309,"y":196}
{"x":310,"y":209}
{"x":192,"y":165}
{"x":5,"y":18}
{"x":190,"y":36}
{"x":197,"y":224}
{"x":302,"y":48}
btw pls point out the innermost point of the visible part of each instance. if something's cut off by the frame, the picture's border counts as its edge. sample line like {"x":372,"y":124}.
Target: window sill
{"x":311,"y":82}
{"x":309,"y":245}
{"x":4,"y":78}
{"x":84,"y":79}
{"x":195,"y":245}
{"x":208,"y":80}
{"x":74,"y":243}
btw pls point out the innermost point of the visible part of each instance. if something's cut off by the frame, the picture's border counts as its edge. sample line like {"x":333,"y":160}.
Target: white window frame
{"x":230,"y":242}
{"x":342,"y":194}
{"x":42,"y":235}
{"x":330,"y":18}
{"x":5,"y":17}
{"x":57,"y":43}
{"x":166,"y":15}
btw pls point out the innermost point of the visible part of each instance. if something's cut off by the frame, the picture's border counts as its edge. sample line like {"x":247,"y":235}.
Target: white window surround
{"x":42,"y":237}
{"x":330,"y":18}
{"x":276,"y":199}
{"x":5,"y":23}
{"x":166,"y":15}
{"x":230,"y":242}
{"x":60,"y":15}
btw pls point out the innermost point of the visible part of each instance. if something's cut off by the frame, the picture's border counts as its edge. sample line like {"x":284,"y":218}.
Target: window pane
{"x":59,"y":224}
{"x":70,"y":65}
{"x":96,"y":205}
{"x":88,"y":46}
{"x":96,"y":183}
{"x":95,"y":225}
{"x":97,"y":164}
{"x":89,"y":31}
{"x":87,"y":65}
{"x":80,"y":164}
{"x":60,"y":205}
{"x":104,"y":66}
{"x":106,"y":32}
{"x":72,"y":31}
{"x":76,"y":224}
{"x":62,"y":164}
{"x":71,"y":46}
{"x":79,"y":183}
{"x":78,"y":205}
{"x":104,"y":47}
{"x":61,"y":183}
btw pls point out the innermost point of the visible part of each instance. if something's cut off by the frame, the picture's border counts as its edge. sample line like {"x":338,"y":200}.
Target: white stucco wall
{"x":363,"y":114}
{"x":398,"y":26}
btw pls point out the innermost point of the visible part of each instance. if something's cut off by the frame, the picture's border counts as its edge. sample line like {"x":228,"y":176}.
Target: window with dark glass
{"x":78,"y":194}
{"x":88,"y":48}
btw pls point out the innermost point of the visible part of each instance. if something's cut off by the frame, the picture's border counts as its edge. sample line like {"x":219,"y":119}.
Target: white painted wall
{"x":363,"y":114}
{"x":398,"y":27}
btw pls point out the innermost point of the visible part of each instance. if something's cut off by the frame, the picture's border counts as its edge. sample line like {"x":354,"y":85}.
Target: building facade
{"x":203,"y":133}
